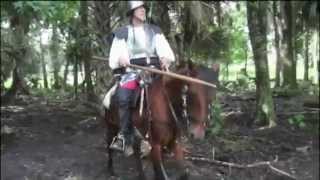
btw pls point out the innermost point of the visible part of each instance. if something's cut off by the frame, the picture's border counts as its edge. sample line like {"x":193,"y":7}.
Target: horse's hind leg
{"x":159,"y":171}
{"x":137,"y":154}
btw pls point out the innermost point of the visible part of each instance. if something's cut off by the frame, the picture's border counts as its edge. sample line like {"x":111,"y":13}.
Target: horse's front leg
{"x":110,"y":134}
{"x":156,"y":155}
{"x":137,"y":154}
{"x":179,"y":156}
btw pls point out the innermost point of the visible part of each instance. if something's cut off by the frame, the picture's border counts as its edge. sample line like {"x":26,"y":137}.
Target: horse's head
{"x":196,"y":99}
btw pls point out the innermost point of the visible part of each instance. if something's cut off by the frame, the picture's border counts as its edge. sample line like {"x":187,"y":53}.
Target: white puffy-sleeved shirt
{"x":141,"y":47}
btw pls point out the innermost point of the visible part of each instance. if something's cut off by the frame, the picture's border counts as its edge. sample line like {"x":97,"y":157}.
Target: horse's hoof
{"x":111,"y":172}
{"x":114,"y":178}
{"x":128,"y":151}
{"x":145,"y":148}
{"x":142,"y":177}
{"x":184,"y":175}
{"x":162,"y":178}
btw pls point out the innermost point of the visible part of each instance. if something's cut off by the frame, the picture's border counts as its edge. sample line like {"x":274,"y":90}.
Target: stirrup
{"x":115,"y":146}
{"x":145,"y":148}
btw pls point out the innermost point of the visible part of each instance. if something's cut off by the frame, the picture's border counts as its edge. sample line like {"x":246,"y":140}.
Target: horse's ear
{"x":215,"y":67}
{"x":190,"y":65}
{"x":192,"y":68}
{"x":180,"y":63}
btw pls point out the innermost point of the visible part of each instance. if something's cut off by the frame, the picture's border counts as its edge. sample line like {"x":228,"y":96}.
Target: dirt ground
{"x":45,"y":139}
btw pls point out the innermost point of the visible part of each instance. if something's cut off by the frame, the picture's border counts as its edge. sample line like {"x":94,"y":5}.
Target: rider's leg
{"x":126,"y":127}
{"x":124,"y":97}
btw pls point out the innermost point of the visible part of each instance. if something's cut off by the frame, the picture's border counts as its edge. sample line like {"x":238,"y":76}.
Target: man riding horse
{"x":137,"y":43}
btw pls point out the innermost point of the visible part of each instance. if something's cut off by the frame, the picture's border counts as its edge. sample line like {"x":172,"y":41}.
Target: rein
{"x":170,"y":74}
{"x":184,"y":105}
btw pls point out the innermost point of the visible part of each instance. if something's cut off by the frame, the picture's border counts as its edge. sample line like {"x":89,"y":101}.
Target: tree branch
{"x":242,"y":166}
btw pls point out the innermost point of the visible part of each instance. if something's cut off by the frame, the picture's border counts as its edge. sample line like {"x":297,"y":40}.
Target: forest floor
{"x":60,"y":139}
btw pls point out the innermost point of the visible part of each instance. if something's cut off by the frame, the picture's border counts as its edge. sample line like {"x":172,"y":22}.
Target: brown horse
{"x":161,"y":123}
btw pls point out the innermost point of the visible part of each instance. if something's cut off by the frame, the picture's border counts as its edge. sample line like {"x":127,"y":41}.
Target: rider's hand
{"x":124,"y":61}
{"x":165,"y":63}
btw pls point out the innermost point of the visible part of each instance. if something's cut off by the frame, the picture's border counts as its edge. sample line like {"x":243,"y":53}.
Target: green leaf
{"x":291,"y":121}
{"x":302,"y":125}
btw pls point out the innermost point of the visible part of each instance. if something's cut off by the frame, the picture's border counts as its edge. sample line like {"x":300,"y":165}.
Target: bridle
{"x":184,"y":97}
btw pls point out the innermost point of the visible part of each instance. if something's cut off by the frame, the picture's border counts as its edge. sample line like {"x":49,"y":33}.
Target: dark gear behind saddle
{"x":136,"y":97}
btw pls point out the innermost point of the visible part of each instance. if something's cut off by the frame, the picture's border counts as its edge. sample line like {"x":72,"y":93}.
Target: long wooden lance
{"x":165,"y":73}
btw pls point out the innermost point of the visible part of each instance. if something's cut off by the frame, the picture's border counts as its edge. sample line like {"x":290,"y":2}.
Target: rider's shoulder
{"x":155,"y":28}
{"x":121,"y":32}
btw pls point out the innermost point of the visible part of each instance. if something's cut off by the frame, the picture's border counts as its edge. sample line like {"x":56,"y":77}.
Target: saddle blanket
{"x":107,"y":98}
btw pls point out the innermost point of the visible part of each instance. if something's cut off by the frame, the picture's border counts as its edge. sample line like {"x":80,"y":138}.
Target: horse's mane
{"x":198,"y":71}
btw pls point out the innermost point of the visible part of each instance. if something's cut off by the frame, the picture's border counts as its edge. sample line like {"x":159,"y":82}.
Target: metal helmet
{"x":134,"y":5}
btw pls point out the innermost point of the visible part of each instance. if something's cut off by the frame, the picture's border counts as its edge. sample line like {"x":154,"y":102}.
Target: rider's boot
{"x":124,"y":140}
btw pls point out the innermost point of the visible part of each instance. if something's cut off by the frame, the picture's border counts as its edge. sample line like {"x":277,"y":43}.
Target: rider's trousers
{"x":125,"y":97}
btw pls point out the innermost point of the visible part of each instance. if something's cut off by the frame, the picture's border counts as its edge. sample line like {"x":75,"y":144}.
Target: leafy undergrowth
{"x":43,"y":138}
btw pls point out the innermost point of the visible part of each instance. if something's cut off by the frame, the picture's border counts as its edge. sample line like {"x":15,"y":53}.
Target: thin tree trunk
{"x":180,"y":48}
{"x":245,"y":58}
{"x":227,"y":71}
{"x":277,"y":40}
{"x":75,"y":75}
{"x":54,"y":58}
{"x":314,"y":48}
{"x":189,"y":28}
{"x":289,"y":65}
{"x":257,"y":22}
{"x":66,"y":72}
{"x":306,"y":53}
{"x":219,"y":18}
{"x":43,"y":65}
{"x":86,"y":51}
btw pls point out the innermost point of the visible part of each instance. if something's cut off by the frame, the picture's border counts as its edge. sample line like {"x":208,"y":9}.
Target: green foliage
{"x":243,"y":82}
{"x":216,"y":121}
{"x":287,"y":91}
{"x":226,"y":43}
{"x":213,"y":44}
{"x":307,"y":87}
{"x":298,"y":121}
{"x":239,"y":36}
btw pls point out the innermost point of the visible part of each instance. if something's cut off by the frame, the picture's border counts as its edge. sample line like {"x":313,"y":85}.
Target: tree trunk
{"x":227,"y":71}
{"x":66,"y":72}
{"x":54,"y":50}
{"x":277,"y":38}
{"x":161,"y":17}
{"x":315,"y":55}
{"x":189,"y":28}
{"x":306,"y":57}
{"x":218,"y":9}
{"x":180,"y":48}
{"x":20,"y":25}
{"x":289,"y":65}
{"x":43,"y":65}
{"x":103,"y":25}
{"x":75,"y":75}
{"x":245,"y":58}
{"x":257,"y":22}
{"x":86,"y":51}
{"x":9,"y":96}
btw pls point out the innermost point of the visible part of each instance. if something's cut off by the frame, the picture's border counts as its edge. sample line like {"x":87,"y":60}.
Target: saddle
{"x":145,"y":78}
{"x":112,"y":91}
